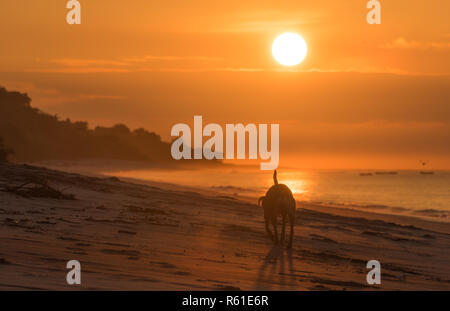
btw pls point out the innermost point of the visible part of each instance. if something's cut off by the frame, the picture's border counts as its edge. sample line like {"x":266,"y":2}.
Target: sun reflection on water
{"x":299,"y":183}
{"x":297,"y":186}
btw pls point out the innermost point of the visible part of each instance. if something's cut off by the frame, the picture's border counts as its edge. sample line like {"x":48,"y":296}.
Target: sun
{"x":289,"y":49}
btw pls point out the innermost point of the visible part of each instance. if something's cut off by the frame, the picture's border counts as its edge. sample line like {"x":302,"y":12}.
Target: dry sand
{"x":132,"y":236}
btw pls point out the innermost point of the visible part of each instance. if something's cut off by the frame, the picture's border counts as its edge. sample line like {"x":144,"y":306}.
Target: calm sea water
{"x":404,"y":192}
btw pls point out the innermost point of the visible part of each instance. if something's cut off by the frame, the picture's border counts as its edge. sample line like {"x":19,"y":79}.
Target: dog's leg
{"x":274,"y":223}
{"x":267,"y":221}
{"x":292,"y":223}
{"x":283,"y":230}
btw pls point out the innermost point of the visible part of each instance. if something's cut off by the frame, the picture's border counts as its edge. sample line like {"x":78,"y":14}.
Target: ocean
{"x":401,"y":192}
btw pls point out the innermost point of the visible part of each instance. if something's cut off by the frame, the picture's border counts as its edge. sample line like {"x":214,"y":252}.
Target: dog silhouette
{"x":278,"y":201}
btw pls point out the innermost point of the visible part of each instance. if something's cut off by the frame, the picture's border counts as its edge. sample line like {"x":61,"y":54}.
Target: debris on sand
{"x":38,"y":189}
{"x":3,"y":261}
{"x":113,"y":178}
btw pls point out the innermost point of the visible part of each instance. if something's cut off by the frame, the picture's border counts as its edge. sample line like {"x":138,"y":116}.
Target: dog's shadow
{"x":276,"y":269}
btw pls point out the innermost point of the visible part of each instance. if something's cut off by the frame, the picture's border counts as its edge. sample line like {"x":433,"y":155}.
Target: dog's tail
{"x":275,"y":179}
{"x":261,"y":199}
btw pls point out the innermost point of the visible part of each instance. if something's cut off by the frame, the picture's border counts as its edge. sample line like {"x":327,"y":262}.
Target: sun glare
{"x":289,"y":49}
{"x":297,"y":186}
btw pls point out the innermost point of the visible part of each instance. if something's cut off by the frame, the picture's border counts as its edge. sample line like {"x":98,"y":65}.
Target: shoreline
{"x":165,"y":237}
{"x":113,"y":166}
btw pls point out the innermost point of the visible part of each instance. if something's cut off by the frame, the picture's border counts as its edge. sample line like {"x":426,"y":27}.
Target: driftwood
{"x":39,"y":189}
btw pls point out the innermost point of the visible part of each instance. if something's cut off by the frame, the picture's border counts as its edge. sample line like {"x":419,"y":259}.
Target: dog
{"x":278,"y":201}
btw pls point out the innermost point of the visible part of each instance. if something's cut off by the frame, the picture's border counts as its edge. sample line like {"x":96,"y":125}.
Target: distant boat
{"x":365,"y":174}
{"x":426,"y":172}
{"x":387,"y":173}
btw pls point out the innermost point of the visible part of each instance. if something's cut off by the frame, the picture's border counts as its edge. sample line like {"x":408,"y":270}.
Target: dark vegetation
{"x":36,"y":135}
{"x":4,"y":152}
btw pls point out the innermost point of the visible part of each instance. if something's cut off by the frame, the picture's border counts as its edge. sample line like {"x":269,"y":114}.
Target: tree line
{"x":30,"y":134}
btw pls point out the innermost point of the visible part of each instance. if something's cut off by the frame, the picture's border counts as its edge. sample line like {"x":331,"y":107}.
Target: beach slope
{"x":130,"y":236}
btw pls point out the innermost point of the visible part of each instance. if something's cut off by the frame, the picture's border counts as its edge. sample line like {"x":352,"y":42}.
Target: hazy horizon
{"x":366,"y":96}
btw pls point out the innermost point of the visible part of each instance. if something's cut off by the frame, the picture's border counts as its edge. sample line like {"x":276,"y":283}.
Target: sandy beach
{"x":131,"y":236}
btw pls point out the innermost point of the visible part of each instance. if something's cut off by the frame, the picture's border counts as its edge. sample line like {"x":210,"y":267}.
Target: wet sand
{"x":152,"y":236}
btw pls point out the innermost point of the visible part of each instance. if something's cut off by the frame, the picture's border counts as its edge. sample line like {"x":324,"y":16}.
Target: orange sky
{"x":365,"y":96}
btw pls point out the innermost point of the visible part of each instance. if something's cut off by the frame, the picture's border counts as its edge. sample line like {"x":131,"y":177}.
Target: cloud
{"x":402,"y":43}
{"x":170,"y":63}
{"x":270,"y":20}
{"x":76,"y":62}
{"x":149,"y":58}
{"x":78,"y":70}
{"x":123,"y":65}
{"x":99,"y":96}
{"x":263,"y":25}
{"x":29,"y":87}
{"x":367,"y":70}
